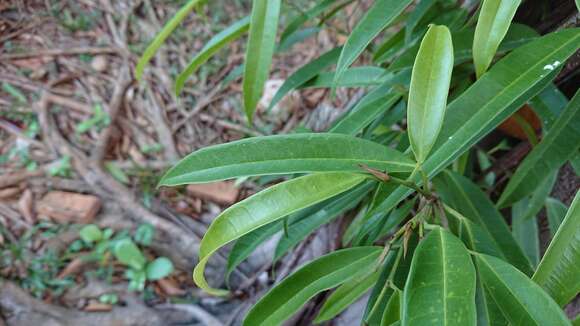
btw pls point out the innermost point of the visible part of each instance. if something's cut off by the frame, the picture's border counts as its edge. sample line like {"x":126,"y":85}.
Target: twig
{"x":114,"y":109}
{"x":229,"y":125}
{"x":200,"y":314}
{"x":59,"y":52}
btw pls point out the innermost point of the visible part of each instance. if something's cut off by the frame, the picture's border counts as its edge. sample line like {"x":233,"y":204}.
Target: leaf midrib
{"x":490,"y":103}
{"x":516,"y":299}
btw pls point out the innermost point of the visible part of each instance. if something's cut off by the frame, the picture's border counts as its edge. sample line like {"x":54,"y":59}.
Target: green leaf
{"x":90,"y":233}
{"x":468,"y":199}
{"x":440,"y":289}
{"x":522,"y":301}
{"x":159,"y":268}
{"x":217,"y":42}
{"x":392,"y":313}
{"x":494,"y":20}
{"x":144,"y":234}
{"x":345,"y":295}
{"x":474,"y":236}
{"x":378,"y":17}
{"x":266,"y":207}
{"x":558,"y":270}
{"x":261,"y":43}
{"x":352,"y":77}
{"x":244,"y":247}
{"x":462,"y":46}
{"x":366,"y":111}
{"x":415,"y":16}
{"x":556,"y":211}
{"x":284,"y":154}
{"x":305,"y":73}
{"x":549,"y":104}
{"x":525,"y":231}
{"x":299,"y":230}
{"x":560,"y":144}
{"x":383,"y":289}
{"x":298,"y":21}
{"x":429,"y":88}
{"x":116,"y":172}
{"x":492,"y":99}
{"x":322,"y":274}
{"x":164,"y":34}
{"x":538,"y":198}
{"x":488,"y":312}
{"x":127,"y":253}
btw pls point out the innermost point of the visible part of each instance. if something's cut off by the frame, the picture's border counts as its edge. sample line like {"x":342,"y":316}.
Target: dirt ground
{"x":82,"y":142}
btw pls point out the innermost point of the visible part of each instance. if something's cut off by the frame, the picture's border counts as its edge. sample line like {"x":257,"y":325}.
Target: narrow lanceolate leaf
{"x":415,"y":17}
{"x":244,"y":247}
{"x":382,"y":290}
{"x":164,"y":34}
{"x":367,"y":109}
{"x":521,"y":300}
{"x":352,"y":77}
{"x":558,"y":270}
{"x":440,"y":289}
{"x":556,"y":212}
{"x":463,"y":42}
{"x":217,"y":42}
{"x":493,"y":23}
{"x":305,"y":73}
{"x":345,"y":295}
{"x":560,"y":144}
{"x":299,"y":230}
{"x":429,"y":88}
{"x":261,"y":43}
{"x":392,"y":313}
{"x":468,"y":199}
{"x":322,"y":274}
{"x":266,"y":207}
{"x":493,"y":98}
{"x":283,"y":154}
{"x":378,"y":17}
{"x":526,"y":232}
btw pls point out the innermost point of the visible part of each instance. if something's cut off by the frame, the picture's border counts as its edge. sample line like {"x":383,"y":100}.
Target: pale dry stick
{"x":229,"y":125}
{"x":59,"y":52}
{"x":163,"y":131}
{"x":200,"y":105}
{"x":15,"y":131}
{"x":196,"y":311}
{"x":115,"y":106}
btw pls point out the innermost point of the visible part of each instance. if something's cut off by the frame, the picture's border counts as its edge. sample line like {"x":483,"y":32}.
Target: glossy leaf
{"x":259,"y":52}
{"x":494,"y":20}
{"x":517,"y":35}
{"x":301,"y":229}
{"x":558,"y":269}
{"x":345,"y":295}
{"x":352,"y":77}
{"x":164,"y":34}
{"x":537,"y":199}
{"x":244,"y":247}
{"x":380,"y":15}
{"x":322,"y":274}
{"x":468,"y":199}
{"x":521,"y":300}
{"x":556,"y":211}
{"x":559,"y":145}
{"x":266,"y":207}
{"x":284,"y":154}
{"x":392,"y":313}
{"x":428,"y":91}
{"x":525,"y":231}
{"x":415,"y":16}
{"x":382,"y":290}
{"x":367,"y":110}
{"x":492,"y":99}
{"x":217,"y":42}
{"x":488,"y":312}
{"x":548,"y":105}
{"x":440,"y":289}
{"x":305,"y":73}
